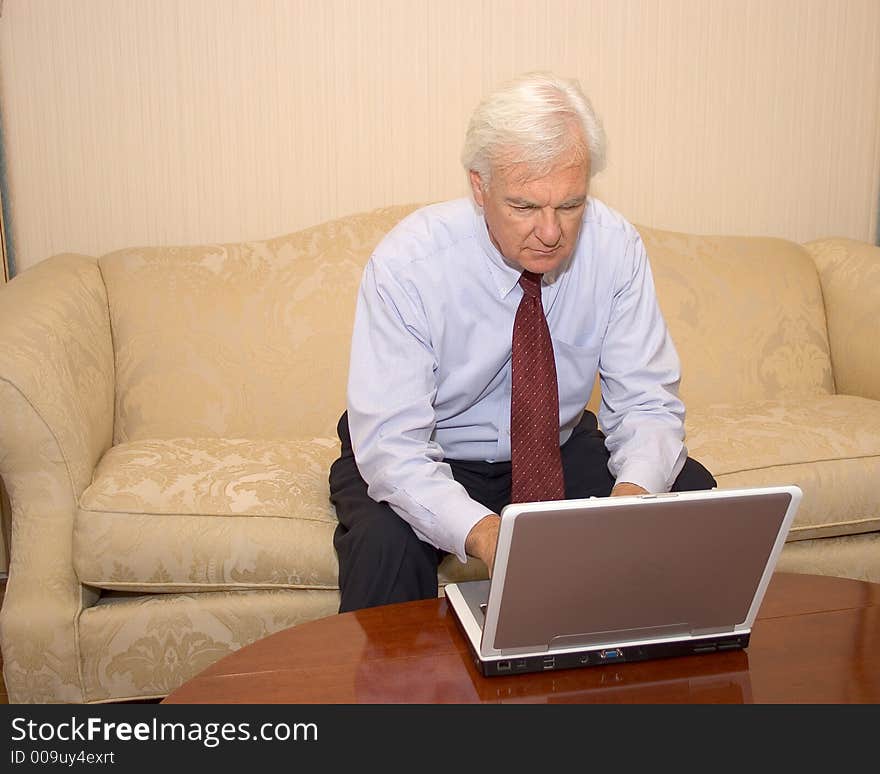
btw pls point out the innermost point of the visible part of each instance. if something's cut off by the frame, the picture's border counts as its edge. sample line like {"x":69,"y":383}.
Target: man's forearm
{"x":482,"y":540}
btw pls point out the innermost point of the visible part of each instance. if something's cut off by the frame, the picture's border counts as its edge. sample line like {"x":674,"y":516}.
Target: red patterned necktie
{"x":536,"y":462}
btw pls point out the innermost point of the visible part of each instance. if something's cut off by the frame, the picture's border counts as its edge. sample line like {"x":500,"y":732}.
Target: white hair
{"x":530,"y":120}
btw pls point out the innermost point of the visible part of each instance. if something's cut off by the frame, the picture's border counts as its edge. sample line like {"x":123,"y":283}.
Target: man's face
{"x":534,"y":222}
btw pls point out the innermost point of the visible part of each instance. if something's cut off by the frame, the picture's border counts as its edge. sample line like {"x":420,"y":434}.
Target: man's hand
{"x":483,"y":539}
{"x":622,"y":488}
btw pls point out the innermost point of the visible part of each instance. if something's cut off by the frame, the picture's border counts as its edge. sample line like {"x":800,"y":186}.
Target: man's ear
{"x":476,"y":186}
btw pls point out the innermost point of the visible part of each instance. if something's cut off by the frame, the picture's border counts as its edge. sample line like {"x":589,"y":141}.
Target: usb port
{"x":549,"y":662}
{"x":610,"y":654}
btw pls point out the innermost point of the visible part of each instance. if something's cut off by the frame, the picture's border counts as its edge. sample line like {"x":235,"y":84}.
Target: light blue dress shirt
{"x":429,"y":376}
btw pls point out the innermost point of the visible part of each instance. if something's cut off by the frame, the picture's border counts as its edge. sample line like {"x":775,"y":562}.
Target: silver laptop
{"x":588,"y":582}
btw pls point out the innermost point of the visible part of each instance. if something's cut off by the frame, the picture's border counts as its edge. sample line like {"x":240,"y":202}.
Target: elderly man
{"x":480,"y":327}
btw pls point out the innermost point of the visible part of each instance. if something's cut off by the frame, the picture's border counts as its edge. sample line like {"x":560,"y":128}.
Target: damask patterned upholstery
{"x":167,"y":422}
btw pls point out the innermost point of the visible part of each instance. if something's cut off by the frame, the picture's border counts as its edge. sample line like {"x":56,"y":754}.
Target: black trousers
{"x":381,"y":560}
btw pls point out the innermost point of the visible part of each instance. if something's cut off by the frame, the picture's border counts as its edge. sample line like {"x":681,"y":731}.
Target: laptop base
{"x":595,"y":581}
{"x":548,"y":662}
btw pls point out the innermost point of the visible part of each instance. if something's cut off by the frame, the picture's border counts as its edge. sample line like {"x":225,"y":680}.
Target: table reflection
{"x":430,"y":663}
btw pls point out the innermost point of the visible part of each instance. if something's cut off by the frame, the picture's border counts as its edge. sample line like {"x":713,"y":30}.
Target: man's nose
{"x":548,"y":229}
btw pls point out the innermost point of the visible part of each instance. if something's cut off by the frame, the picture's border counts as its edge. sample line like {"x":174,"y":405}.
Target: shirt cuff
{"x":448,"y":531}
{"x":644,"y":475}
{"x":461,"y":521}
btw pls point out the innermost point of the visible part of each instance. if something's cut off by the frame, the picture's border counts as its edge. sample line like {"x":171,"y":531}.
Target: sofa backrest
{"x":253,"y":339}
{"x":242,"y":340}
{"x":746,"y":315}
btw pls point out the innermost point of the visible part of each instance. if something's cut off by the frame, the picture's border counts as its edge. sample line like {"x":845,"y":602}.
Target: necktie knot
{"x":531,"y":283}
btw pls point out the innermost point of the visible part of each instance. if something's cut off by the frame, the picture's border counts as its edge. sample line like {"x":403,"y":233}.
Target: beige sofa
{"x":167,"y":423}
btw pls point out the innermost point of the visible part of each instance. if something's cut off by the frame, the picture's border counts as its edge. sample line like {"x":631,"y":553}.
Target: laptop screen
{"x":598,"y":571}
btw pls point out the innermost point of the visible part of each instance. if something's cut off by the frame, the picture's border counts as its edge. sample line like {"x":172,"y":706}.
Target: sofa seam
{"x":211,"y":515}
{"x":144,"y":697}
{"x":51,"y":432}
{"x":821,"y":284}
{"x":201,"y":587}
{"x":820,"y":528}
{"x":795,"y":464}
{"x":112,"y":352}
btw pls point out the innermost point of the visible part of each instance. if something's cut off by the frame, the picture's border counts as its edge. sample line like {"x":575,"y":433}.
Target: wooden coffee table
{"x":816,"y":640}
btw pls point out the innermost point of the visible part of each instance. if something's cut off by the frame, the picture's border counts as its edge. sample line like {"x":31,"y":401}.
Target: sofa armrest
{"x":849,"y":272}
{"x":56,"y":420}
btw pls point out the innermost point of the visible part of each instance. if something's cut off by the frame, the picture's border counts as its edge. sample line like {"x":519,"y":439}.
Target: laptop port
{"x":503,"y":666}
{"x":549,"y":662}
{"x":611,"y":654}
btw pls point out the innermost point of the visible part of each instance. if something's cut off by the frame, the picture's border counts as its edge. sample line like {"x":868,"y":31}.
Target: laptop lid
{"x":610,"y":571}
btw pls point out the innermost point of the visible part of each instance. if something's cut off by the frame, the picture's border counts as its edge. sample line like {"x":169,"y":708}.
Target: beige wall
{"x":185,"y":121}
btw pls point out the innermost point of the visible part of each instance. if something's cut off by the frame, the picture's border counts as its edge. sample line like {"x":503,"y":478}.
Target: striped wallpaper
{"x":186,"y":121}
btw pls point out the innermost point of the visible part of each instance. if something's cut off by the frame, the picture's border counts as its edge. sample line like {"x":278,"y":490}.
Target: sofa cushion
{"x":746,"y":315}
{"x":829,"y":445}
{"x":243,"y":340}
{"x":847,"y":556}
{"x":207,"y":513}
{"x":210,"y":514}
